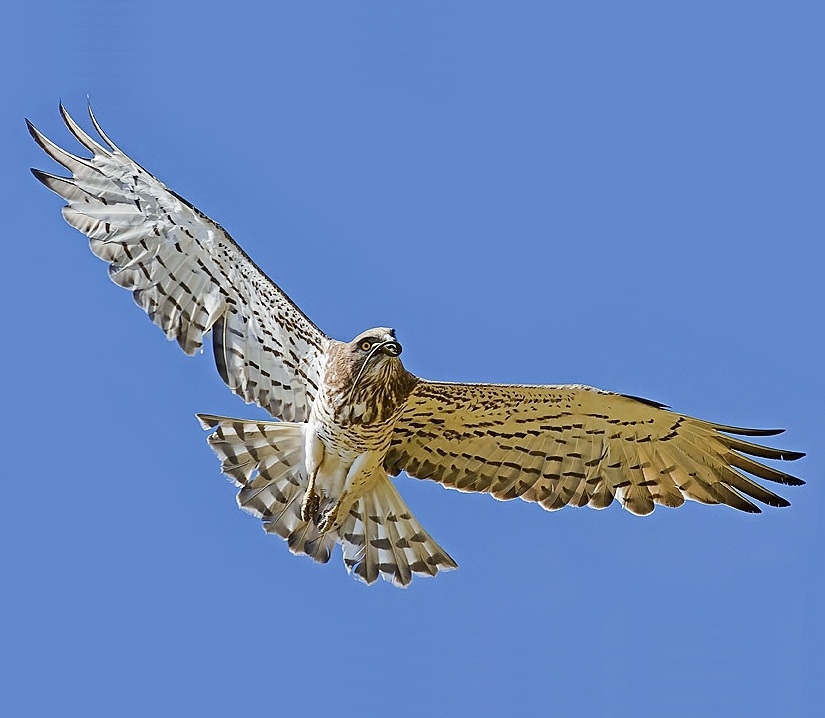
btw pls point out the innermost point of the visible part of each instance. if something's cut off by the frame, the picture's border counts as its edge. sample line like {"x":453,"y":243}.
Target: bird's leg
{"x":358,"y":478}
{"x":313,"y":457}
{"x":309,"y":506}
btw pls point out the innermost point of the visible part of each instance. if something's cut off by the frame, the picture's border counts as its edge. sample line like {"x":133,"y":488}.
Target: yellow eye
{"x":366,"y":346}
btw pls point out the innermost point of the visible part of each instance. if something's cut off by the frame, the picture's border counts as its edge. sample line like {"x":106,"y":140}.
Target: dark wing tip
{"x":649,"y":402}
{"x":743,"y":431}
{"x":207,"y":421}
{"x":41,"y":176}
{"x":789,"y":480}
{"x":98,"y":128}
{"x":34,"y":132}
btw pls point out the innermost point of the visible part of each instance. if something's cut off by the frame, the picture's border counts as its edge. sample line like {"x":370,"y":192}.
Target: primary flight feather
{"x":349,"y":415}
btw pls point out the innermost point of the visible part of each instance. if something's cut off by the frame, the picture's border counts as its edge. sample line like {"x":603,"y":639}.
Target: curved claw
{"x":309,"y":507}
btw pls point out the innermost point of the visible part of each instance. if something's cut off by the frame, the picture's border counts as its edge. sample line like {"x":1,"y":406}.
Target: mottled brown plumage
{"x":383,"y":383}
{"x":349,"y":413}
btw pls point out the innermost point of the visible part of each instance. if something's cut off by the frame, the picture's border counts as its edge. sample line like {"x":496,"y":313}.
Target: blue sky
{"x":627,"y":195}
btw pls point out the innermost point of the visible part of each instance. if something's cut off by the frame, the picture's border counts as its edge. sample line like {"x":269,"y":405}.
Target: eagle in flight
{"x":348,"y":415}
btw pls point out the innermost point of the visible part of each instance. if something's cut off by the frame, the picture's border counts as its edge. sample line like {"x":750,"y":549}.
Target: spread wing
{"x":574,"y":445}
{"x":188,"y":274}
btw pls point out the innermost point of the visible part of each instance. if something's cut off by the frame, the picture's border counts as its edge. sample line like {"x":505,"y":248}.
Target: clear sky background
{"x":628,"y":195}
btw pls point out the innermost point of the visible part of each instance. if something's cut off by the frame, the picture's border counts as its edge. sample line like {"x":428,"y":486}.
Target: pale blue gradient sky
{"x":627,"y":195}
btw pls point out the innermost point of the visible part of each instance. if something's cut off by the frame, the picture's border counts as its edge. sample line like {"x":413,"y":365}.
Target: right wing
{"x":189,"y":276}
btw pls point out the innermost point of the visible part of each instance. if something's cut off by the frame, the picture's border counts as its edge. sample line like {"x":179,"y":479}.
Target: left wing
{"x":188,"y":275}
{"x":575,"y":445}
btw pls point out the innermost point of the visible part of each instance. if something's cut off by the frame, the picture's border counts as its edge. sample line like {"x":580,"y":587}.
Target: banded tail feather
{"x":379,"y":535}
{"x":266,"y":460}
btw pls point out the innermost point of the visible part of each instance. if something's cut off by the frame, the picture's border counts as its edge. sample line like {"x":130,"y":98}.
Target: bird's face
{"x":374,"y":356}
{"x":374,"y":343}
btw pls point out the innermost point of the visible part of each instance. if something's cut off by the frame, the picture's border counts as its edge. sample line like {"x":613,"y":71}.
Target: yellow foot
{"x":310,"y":505}
{"x":328,"y":519}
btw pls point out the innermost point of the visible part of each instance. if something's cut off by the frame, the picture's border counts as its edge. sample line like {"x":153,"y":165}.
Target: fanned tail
{"x":379,"y":534}
{"x":381,"y":537}
{"x":266,"y":460}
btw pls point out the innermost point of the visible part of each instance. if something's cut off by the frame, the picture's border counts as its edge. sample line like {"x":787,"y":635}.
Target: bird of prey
{"x":348,"y":415}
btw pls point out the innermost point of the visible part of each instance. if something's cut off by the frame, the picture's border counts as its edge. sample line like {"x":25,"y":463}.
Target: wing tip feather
{"x":98,"y":128}
{"x":33,"y":131}
{"x":648,"y":402}
{"x":87,"y":141}
{"x":40,"y":139}
{"x":746,"y":431}
{"x":208,"y":421}
{"x":789,"y":480}
{"x":39,"y":174}
{"x":49,"y":180}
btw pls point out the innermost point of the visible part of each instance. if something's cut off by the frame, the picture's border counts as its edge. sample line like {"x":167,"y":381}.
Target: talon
{"x":328,"y":519}
{"x":309,"y":507}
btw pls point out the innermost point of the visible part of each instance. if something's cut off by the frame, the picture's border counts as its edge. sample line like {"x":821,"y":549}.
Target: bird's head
{"x":373,"y":357}
{"x":378,"y":341}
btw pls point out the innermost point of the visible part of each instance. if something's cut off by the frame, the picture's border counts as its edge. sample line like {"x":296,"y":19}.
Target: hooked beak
{"x":391,"y":348}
